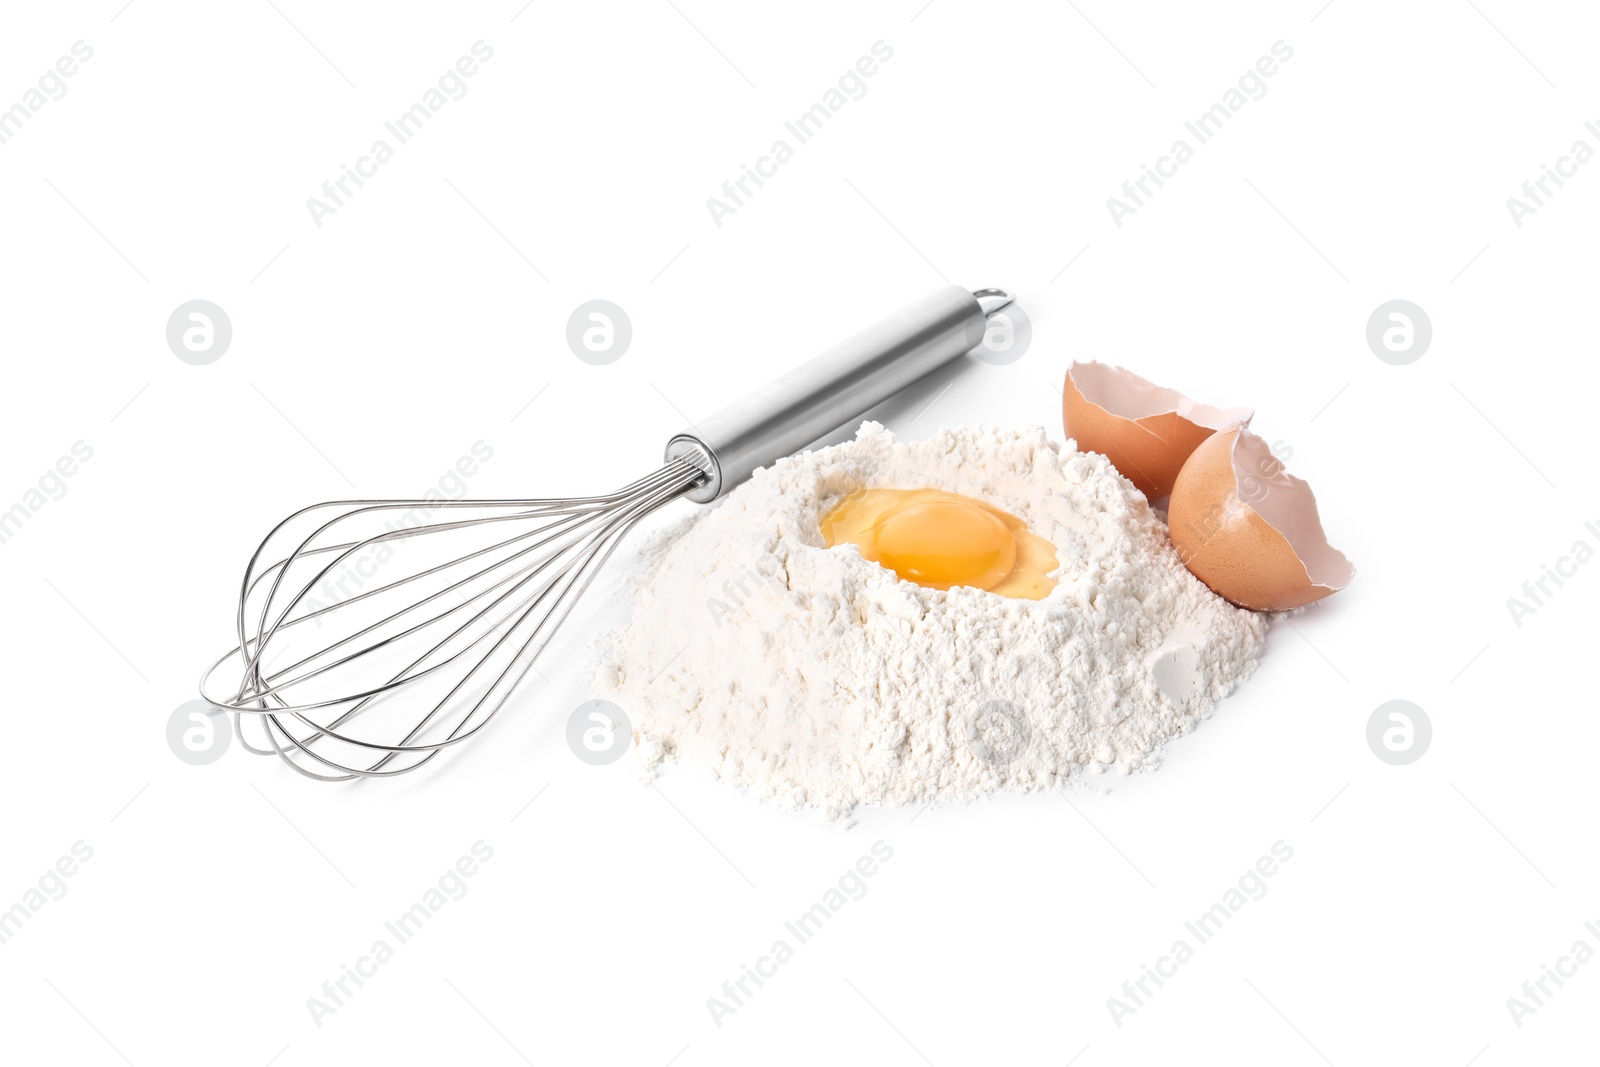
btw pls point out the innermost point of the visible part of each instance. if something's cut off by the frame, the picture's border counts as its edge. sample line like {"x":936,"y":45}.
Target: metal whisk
{"x":375,"y":634}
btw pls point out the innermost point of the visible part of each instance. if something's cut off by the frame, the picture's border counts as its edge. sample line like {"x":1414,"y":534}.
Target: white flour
{"x":811,"y":677}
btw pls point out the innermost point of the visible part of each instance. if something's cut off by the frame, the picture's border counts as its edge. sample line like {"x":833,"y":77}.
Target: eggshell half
{"x":1146,"y":431}
{"x":1249,"y":529}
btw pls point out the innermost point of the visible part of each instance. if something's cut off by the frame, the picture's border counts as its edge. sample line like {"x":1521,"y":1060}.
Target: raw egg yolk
{"x":942,"y":543}
{"x":941,"y":540}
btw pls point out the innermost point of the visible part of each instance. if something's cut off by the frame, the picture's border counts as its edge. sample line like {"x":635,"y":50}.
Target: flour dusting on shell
{"x":810,"y":677}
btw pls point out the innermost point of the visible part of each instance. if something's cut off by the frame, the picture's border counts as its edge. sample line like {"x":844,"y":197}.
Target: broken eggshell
{"x":1249,"y":529}
{"x":1147,"y":431}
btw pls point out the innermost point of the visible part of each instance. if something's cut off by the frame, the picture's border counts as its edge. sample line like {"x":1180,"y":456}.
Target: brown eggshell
{"x":1145,"y":430}
{"x":1249,"y":529}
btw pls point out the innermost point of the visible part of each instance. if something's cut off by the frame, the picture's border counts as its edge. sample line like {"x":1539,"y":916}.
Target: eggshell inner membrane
{"x":1125,"y":394}
{"x":1289,"y":507}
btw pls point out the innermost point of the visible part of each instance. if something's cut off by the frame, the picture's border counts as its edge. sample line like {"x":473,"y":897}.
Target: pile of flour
{"x":810,"y":677}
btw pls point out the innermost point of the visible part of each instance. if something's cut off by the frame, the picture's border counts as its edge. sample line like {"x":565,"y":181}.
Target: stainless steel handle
{"x":835,"y":388}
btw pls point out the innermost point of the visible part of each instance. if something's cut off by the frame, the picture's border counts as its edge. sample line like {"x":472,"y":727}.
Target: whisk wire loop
{"x":438,"y":631}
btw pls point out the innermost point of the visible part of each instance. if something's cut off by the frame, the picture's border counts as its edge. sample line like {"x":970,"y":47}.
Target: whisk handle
{"x":836,"y":387}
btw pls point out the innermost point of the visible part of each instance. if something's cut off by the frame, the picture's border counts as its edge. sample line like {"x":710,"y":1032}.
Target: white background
{"x":427,"y":312}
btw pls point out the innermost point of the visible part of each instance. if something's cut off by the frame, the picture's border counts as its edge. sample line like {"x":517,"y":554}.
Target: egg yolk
{"x":940,"y":540}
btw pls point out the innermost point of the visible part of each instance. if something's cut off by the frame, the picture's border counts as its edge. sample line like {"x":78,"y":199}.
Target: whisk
{"x":374,"y":635}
